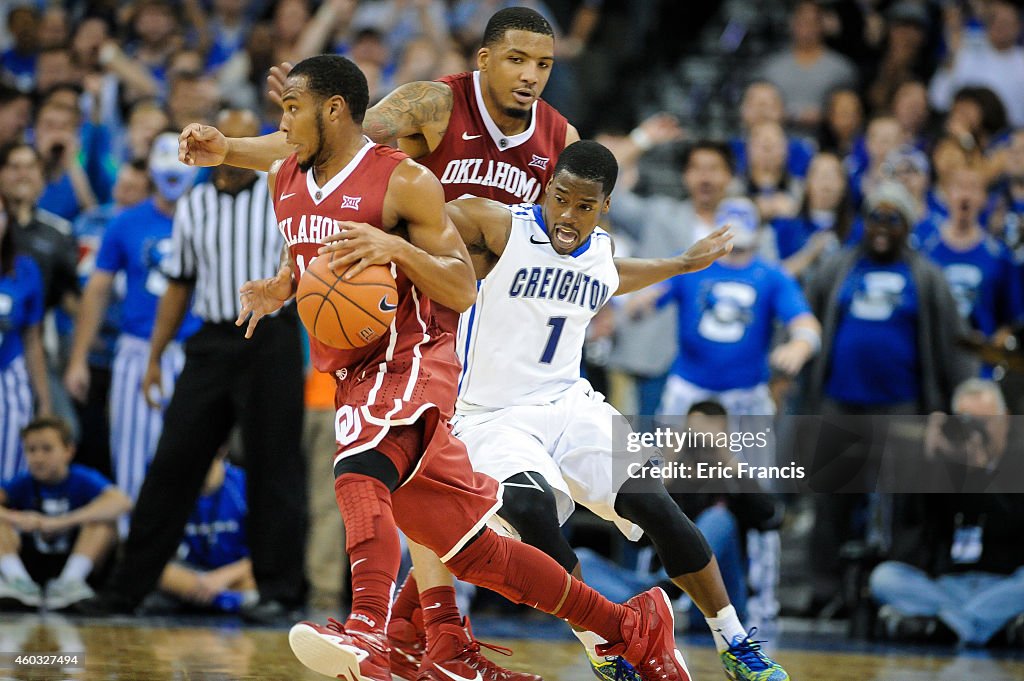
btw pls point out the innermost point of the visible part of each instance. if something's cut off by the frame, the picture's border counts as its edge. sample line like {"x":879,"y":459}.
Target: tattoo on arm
{"x":407,"y":110}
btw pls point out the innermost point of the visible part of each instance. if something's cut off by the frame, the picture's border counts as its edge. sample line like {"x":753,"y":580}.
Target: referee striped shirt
{"x":222,"y":240}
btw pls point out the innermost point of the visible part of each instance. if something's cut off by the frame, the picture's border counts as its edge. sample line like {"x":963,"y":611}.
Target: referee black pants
{"x":227,"y":380}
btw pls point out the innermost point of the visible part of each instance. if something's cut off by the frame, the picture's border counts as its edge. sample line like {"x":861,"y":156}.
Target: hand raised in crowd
{"x":275,"y":81}
{"x":662,"y":128}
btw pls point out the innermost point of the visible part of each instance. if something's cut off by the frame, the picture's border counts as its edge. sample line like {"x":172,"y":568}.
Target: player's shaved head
{"x":514,"y":19}
{"x":238,"y":123}
{"x":589,"y":160}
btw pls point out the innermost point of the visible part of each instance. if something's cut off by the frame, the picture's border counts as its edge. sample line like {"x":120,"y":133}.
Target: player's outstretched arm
{"x":639,"y":273}
{"x":205,"y":145}
{"x":484,"y":226}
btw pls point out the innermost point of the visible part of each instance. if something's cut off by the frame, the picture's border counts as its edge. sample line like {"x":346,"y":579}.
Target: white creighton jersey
{"x":522,"y":341}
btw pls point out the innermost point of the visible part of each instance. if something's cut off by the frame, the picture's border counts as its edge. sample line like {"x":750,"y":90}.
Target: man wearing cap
{"x":135,"y":243}
{"x":889,"y":321}
{"x":909,"y":166}
{"x":726,"y":319}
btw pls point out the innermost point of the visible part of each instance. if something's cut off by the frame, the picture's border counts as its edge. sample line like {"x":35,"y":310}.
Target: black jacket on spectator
{"x":47,"y":240}
{"x":943,"y":365}
{"x":926,"y":526}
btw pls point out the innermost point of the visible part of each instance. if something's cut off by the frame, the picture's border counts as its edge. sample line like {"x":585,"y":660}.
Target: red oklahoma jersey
{"x":396,"y":395}
{"x":414,"y":347}
{"x":475,"y":158}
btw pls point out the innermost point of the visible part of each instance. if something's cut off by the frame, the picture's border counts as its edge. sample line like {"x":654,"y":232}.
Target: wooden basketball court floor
{"x":148,"y":649}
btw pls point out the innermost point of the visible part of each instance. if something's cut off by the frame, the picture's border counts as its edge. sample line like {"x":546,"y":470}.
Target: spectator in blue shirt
{"x":909,"y":166}
{"x":762,"y":103}
{"x":57,"y":139}
{"x":57,"y":521}
{"x":1006,"y":217}
{"x":213,"y":568}
{"x":726,"y":319}
{"x":948,"y":156}
{"x":22,"y":362}
{"x":824,"y":221}
{"x":979,"y":269}
{"x":19,"y":62}
{"x":135,"y":243}
{"x":890,"y":323}
{"x":88,"y":382}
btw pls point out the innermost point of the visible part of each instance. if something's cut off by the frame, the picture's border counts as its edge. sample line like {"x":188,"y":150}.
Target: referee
{"x":225,"y":234}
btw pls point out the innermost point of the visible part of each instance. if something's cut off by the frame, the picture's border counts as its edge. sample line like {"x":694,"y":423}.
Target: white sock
{"x":725,"y":627}
{"x":12,"y":567}
{"x":78,"y":567}
{"x":590,"y":641}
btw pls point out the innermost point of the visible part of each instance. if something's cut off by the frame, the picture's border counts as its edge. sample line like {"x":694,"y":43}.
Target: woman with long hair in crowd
{"x":823,"y":221}
{"x":22,"y":365}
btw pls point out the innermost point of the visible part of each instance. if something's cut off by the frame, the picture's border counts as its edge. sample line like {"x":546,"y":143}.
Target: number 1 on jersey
{"x":556,"y":324}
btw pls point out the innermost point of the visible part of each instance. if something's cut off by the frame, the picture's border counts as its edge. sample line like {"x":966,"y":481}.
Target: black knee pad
{"x":528,"y":505}
{"x":372,"y":464}
{"x":681,"y":546}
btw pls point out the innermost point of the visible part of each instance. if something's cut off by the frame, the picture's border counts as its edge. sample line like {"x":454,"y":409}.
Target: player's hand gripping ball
{"x":346,"y":313}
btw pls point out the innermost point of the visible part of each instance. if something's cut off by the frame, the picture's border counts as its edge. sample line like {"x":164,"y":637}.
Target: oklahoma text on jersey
{"x":498,"y":174}
{"x":311,"y":229}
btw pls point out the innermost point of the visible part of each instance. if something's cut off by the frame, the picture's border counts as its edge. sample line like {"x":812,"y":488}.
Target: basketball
{"x":346,"y":314}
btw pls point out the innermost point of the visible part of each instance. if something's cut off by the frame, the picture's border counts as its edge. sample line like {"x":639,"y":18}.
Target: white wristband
{"x":809,"y":336}
{"x":641,"y":139}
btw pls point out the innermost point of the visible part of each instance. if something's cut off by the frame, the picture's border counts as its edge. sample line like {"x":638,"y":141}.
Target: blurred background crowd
{"x":869,"y":154}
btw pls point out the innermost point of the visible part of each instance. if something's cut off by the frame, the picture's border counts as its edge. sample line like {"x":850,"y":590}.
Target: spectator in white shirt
{"x":993,"y":59}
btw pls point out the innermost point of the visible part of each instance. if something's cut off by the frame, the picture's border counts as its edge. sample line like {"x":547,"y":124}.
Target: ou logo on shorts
{"x":347,"y":425}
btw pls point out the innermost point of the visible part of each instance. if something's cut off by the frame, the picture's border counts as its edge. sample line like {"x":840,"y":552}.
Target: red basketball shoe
{"x":650,"y":642}
{"x":332,"y":651}
{"x":408,"y":643}
{"x":456,"y":656}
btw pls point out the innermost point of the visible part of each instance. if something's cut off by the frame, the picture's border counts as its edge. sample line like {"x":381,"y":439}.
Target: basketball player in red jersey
{"x":397,"y":465}
{"x":486,"y":134}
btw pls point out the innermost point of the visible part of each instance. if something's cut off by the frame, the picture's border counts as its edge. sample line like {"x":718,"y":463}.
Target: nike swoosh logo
{"x":286,"y":196}
{"x":431,"y":607}
{"x":385,"y":306}
{"x":534,"y":241}
{"x":456,"y":677}
{"x":466,"y":136}
{"x":361,"y":560}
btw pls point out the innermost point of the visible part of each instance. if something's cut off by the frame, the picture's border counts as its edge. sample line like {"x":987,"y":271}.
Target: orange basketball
{"x":346,"y":314}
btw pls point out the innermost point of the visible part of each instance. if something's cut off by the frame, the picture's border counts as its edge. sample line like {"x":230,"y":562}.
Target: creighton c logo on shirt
{"x":728,"y":311}
{"x":879,"y":296}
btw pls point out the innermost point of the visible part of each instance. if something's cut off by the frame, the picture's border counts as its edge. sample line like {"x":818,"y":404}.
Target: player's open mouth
{"x":564,"y":237}
{"x":523,"y":96}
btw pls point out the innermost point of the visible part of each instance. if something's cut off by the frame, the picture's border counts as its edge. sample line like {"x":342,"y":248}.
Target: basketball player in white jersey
{"x":527,"y":417}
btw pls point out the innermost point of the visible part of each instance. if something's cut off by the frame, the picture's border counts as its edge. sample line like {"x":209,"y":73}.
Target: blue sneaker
{"x":612,"y":668}
{"x":744,"y":661}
